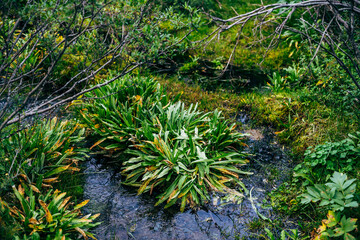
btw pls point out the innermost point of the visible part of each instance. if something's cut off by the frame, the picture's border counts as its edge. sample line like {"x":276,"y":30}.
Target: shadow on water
{"x":125,"y":215}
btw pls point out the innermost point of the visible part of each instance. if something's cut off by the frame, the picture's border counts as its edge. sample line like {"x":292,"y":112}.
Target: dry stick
{"x":42,"y":82}
{"x":38,"y":110}
{"x":331,"y":44}
{"x":321,"y":40}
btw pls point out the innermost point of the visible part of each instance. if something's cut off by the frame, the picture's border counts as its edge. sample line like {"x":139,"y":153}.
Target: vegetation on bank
{"x":172,"y":135}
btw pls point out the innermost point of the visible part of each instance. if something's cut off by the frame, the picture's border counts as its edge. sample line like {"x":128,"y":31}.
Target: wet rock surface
{"x":125,"y":215}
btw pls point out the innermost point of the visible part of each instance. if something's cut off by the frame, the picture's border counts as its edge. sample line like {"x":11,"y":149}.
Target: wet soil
{"x":125,"y":215}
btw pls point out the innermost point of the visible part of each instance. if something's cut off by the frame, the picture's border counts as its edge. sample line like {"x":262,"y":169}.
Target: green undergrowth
{"x":250,"y":51}
{"x":297,"y":123}
{"x":228,"y":103}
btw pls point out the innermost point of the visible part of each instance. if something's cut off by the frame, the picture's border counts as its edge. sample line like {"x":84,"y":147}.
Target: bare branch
{"x":333,"y":25}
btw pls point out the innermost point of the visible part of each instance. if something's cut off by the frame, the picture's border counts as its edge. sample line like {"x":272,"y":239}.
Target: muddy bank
{"x":125,"y":215}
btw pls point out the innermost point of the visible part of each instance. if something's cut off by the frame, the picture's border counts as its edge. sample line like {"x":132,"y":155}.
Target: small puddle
{"x":124,"y":215}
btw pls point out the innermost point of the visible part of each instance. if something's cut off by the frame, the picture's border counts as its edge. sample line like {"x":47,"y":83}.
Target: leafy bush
{"x":323,"y":159}
{"x":177,"y":150}
{"x":120,"y":109}
{"x":38,"y":154}
{"x":190,"y":155}
{"x":293,"y":74}
{"x":44,"y":216}
{"x":277,"y":82}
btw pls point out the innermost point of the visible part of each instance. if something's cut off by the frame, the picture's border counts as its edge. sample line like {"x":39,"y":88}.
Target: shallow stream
{"x":125,"y":215}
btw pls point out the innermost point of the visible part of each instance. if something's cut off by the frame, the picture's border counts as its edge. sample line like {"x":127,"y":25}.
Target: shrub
{"x":320,"y":161}
{"x":191,"y":154}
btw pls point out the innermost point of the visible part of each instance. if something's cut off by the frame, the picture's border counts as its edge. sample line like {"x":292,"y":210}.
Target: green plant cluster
{"x":34,"y":159}
{"x":40,"y":152}
{"x":337,"y":194}
{"x":322,"y":160}
{"x":293,"y":234}
{"x":337,"y":225}
{"x":45,"y":216}
{"x":179,"y":153}
{"x":291,"y":78}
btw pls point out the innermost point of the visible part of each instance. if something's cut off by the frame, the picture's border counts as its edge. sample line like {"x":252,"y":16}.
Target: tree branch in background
{"x":55,"y":51}
{"x":329,"y":25}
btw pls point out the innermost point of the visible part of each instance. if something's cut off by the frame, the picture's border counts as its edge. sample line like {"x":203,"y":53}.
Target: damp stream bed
{"x":124,"y":215}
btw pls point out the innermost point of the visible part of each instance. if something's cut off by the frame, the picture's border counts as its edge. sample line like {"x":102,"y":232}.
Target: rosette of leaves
{"x":40,"y":152}
{"x":189,"y":156}
{"x":181,"y":170}
{"x":36,"y":216}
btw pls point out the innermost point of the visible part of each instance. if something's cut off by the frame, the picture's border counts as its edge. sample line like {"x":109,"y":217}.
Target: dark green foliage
{"x":338,"y":194}
{"x":117,"y":114}
{"x":33,"y":159}
{"x":188,"y":157}
{"x":337,"y":226}
{"x":320,"y":161}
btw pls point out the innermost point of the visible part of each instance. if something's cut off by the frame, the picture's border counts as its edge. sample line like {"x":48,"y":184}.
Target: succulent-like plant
{"x":188,"y":155}
{"x":180,"y":169}
{"x":118,"y":111}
